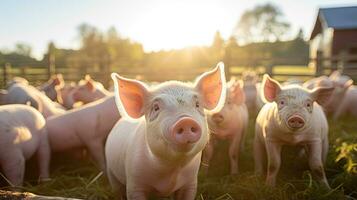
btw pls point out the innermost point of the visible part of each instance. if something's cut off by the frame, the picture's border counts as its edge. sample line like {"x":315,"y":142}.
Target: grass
{"x":76,"y":178}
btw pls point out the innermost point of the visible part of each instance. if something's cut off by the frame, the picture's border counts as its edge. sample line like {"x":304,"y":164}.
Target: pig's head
{"x":3,"y":93}
{"x":294,"y":104}
{"x":86,"y":90}
{"x":224,"y":118}
{"x":174,"y":111}
{"x":249,"y":78}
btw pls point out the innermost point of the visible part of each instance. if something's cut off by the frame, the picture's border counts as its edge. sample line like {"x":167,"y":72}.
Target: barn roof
{"x":336,"y":18}
{"x":340,"y":18}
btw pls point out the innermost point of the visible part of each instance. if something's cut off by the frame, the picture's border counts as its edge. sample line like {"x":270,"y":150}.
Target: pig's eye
{"x":197,"y":104}
{"x":308,"y":104}
{"x":156,"y":107}
{"x":281,"y":102}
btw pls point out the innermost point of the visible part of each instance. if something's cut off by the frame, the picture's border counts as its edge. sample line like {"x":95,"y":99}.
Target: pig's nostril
{"x":180,"y":131}
{"x":193,"y":129}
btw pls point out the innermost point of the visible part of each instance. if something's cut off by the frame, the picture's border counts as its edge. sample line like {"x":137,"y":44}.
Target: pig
{"x":291,"y":116}
{"x":22,"y":135}
{"x":340,"y":85}
{"x":250,"y":80}
{"x":89,"y":90}
{"x":348,"y":104}
{"x":16,"y":79}
{"x":26,"y":94}
{"x":65,"y":97}
{"x":86,"y":127}
{"x":155,"y":149}
{"x":51,"y":87}
{"x":230,"y":123}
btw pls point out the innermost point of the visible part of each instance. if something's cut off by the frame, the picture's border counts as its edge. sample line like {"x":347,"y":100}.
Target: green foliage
{"x":261,"y":24}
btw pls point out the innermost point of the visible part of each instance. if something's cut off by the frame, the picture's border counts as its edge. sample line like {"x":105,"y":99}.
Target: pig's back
{"x":19,"y":126}
{"x":120,"y":143}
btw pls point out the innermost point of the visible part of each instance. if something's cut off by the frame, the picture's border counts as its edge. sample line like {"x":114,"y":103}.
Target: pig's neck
{"x":49,"y":107}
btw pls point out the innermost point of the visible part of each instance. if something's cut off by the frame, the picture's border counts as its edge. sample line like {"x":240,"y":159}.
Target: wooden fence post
{"x":318,"y":64}
{"x":51,"y":65}
{"x":6,"y":73}
{"x":269,"y":69}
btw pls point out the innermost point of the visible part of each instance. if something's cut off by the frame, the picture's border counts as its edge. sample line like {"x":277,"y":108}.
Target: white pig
{"x":89,"y":90}
{"x":22,"y":134}
{"x":26,"y":94}
{"x":230,"y":123}
{"x":292,"y":116}
{"x":156,"y":148}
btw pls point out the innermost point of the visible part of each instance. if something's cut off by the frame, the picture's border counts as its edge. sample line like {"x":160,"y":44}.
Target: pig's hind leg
{"x":44,"y":156}
{"x":14,"y":166}
{"x":233,"y":151}
{"x":260,"y":155}
{"x":96,"y":149}
{"x":207,"y":155}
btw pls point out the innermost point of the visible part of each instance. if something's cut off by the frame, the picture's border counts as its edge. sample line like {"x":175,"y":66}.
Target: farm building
{"x":335,"y":31}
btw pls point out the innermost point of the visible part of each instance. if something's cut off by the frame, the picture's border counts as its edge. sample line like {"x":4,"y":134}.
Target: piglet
{"x":86,"y":127}
{"x":89,"y":90}
{"x":249,"y":84}
{"x":156,"y":148}
{"x":20,"y":93}
{"x":51,"y":87}
{"x":230,"y":123}
{"x":22,"y":135}
{"x":291,"y":116}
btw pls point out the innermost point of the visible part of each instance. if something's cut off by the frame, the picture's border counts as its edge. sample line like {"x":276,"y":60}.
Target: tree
{"x":23,"y":49}
{"x":261,"y":24}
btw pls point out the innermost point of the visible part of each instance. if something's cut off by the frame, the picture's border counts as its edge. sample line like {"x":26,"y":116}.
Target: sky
{"x":157,"y":24}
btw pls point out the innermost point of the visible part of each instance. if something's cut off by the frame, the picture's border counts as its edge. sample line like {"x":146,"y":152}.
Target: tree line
{"x":259,"y":34}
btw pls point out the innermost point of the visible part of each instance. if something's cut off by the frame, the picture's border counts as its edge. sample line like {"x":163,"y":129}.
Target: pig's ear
{"x":237,"y":93}
{"x":348,"y":84}
{"x":212,"y":87}
{"x":58,"y":80}
{"x":130,"y":96}
{"x":335,"y":74}
{"x":271,"y":88}
{"x":322,"y":94}
{"x":90,"y":85}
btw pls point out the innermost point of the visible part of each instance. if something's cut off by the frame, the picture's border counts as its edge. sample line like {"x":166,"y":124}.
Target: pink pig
{"x":84,"y":127}
{"x":51,"y":87}
{"x":22,"y":134}
{"x":20,"y":93}
{"x":89,"y":90}
{"x":156,"y":148}
{"x":231,"y":123}
{"x":292,"y":116}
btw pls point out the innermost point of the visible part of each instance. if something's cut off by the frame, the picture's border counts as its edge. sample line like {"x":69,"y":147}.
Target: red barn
{"x":335,"y":32}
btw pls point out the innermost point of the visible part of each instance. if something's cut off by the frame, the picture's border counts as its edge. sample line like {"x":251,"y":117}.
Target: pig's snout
{"x":217,"y":118}
{"x":186,"y":131}
{"x":296,"y":122}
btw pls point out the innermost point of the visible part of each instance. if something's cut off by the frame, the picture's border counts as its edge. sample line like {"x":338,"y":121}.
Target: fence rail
{"x":317,"y":67}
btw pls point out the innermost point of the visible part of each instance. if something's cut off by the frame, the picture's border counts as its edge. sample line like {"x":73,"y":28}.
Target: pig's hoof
{"x":43,"y":180}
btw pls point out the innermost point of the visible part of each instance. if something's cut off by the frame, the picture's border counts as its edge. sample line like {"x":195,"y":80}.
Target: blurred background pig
{"x":22,"y":135}
{"x":157,"y":148}
{"x":230,"y":123}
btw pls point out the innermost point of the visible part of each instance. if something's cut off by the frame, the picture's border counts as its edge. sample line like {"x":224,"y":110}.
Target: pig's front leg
{"x":274,"y":160}
{"x":234,"y":151}
{"x":259,"y":155}
{"x":315,"y":162}
{"x":44,"y":157}
{"x":96,"y":149}
{"x":207,"y":156}
{"x":135,"y":193}
{"x":14,"y":167}
{"x":188,"y":192}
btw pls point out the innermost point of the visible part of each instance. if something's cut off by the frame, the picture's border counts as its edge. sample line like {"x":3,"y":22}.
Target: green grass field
{"x":73,"y":178}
